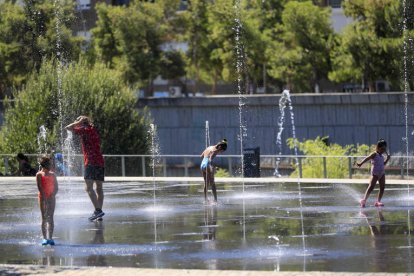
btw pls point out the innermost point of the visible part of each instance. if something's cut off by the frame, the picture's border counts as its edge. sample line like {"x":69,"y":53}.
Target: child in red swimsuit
{"x":48,"y":187}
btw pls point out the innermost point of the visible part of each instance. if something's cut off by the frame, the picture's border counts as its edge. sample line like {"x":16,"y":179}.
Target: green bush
{"x":222,"y":173}
{"x":336,"y":167}
{"x":95,"y":91}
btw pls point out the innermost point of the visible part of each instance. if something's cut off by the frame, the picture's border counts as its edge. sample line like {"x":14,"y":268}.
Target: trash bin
{"x":251,"y":162}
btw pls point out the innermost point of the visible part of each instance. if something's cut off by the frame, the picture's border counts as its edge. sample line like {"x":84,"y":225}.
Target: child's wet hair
{"x":45,"y":162}
{"x":222,"y":145}
{"x":88,"y":120}
{"x":381,"y":143}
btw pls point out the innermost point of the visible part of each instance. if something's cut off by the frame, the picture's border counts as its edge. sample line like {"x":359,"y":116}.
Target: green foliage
{"x":222,"y":173}
{"x":172,"y":65}
{"x":28,"y":35}
{"x":12,"y":67}
{"x":196,"y":33}
{"x":313,"y":167}
{"x":283,"y":42}
{"x":370,"y":47}
{"x":129,"y":37}
{"x":300,"y":57}
{"x":95,"y":91}
{"x":211,"y":33}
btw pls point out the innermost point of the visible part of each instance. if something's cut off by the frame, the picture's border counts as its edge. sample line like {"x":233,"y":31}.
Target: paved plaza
{"x":107,"y":271}
{"x":160,"y":226}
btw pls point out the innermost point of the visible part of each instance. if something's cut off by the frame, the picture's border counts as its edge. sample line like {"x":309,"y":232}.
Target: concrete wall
{"x":345,"y":118}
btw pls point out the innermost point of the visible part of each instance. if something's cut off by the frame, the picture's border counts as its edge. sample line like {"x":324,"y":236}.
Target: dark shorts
{"x":95,"y":173}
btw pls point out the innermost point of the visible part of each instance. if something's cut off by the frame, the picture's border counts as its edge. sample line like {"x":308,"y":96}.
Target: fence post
{"x":300,"y":167}
{"x":402,"y":168}
{"x":6,"y":165}
{"x":350,"y":166}
{"x":143,"y":165}
{"x":325,"y":174}
{"x":185,"y":167}
{"x":164,"y":166}
{"x":123,"y":165}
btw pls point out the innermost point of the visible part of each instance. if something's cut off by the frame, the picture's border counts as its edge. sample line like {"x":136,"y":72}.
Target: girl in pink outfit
{"x":377,"y":172}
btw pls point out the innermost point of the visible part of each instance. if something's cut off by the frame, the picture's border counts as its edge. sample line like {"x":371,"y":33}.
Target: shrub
{"x":95,"y":91}
{"x":336,"y":167}
{"x":222,"y":173}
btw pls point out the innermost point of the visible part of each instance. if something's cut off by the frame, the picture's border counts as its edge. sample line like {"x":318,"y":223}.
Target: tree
{"x":211,"y":33}
{"x":172,"y":67}
{"x":268,"y":15}
{"x":130,"y":38}
{"x":31,"y":32}
{"x":301,"y":57}
{"x":199,"y":63}
{"x":370,"y":48}
{"x":98,"y":92}
{"x":12,"y":66}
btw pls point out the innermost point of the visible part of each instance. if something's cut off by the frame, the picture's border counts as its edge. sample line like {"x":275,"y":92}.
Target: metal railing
{"x":188,"y":165}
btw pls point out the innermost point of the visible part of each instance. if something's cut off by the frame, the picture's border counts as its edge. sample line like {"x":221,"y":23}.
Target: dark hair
{"x":21,"y":156}
{"x":44,"y":162}
{"x":381,"y":143}
{"x":222,"y":144}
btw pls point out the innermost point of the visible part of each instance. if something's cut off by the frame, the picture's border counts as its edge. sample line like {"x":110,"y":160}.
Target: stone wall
{"x":345,"y":118}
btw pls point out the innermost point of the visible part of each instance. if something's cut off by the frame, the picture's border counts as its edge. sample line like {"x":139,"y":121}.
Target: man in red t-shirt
{"x":94,"y":162}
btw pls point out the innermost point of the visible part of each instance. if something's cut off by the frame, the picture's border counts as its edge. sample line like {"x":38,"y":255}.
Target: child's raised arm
{"x":71,"y":126}
{"x":371,"y":156}
{"x":77,"y":122}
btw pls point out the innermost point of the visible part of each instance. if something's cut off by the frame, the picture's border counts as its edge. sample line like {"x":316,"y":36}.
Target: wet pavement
{"x":102,"y":271}
{"x":268,"y":227}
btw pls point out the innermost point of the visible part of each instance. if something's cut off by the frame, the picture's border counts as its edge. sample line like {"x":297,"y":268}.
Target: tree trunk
{"x":289,"y":85}
{"x":151,"y":86}
{"x":371,"y":86}
{"x":254,"y":90}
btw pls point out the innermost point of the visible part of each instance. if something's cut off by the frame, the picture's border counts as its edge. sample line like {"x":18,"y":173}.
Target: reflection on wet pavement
{"x":257,"y":230}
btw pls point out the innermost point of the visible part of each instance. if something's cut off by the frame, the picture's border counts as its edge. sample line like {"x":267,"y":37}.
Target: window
{"x":120,"y":2}
{"x":83,"y":5}
{"x":335,"y":3}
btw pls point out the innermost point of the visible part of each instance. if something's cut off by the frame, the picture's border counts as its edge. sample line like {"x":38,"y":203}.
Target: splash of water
{"x":59,"y":57}
{"x":406,"y":90}
{"x":240,"y":58}
{"x":69,"y":157}
{"x":207,"y":134}
{"x":345,"y":189}
{"x":207,"y":145}
{"x":41,"y":140}
{"x":284,"y":100}
{"x":406,"y":83}
{"x":240,"y":63}
{"x":295,"y":147}
{"x":155,"y":152}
